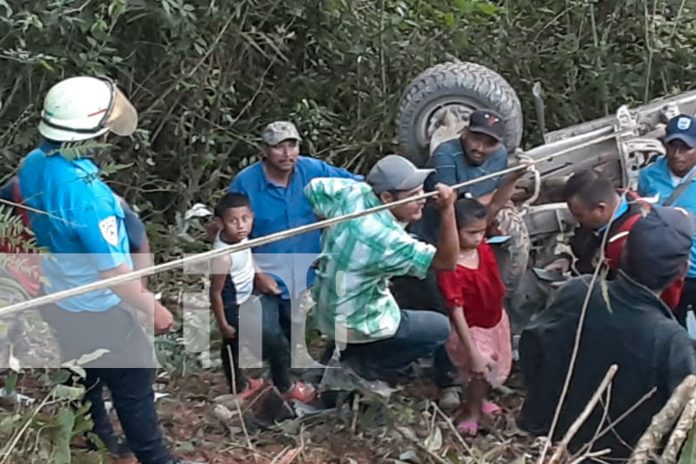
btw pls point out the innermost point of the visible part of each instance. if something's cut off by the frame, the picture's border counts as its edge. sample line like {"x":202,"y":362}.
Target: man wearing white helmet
{"x":83,"y":228}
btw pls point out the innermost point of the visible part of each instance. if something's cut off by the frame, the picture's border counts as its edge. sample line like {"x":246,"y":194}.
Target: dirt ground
{"x":407,"y":430}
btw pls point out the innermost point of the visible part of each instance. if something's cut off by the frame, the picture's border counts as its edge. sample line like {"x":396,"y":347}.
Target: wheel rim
{"x":430,"y":117}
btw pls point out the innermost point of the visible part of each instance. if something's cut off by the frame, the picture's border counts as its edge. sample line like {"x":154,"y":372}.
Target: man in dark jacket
{"x":625,"y":324}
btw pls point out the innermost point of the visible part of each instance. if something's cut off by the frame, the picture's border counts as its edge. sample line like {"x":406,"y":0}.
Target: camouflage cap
{"x":277,"y":131}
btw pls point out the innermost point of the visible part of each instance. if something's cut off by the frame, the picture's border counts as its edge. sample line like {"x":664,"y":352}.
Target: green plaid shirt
{"x":358,"y":257}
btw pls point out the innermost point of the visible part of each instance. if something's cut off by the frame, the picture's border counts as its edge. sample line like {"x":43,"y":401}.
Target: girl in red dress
{"x":479,"y":344}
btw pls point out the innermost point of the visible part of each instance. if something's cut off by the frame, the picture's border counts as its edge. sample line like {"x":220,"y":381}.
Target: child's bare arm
{"x":477,"y":364}
{"x":220,"y":270}
{"x":265,"y":283}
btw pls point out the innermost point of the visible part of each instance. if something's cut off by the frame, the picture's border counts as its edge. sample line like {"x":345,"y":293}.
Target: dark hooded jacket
{"x":632,"y":328}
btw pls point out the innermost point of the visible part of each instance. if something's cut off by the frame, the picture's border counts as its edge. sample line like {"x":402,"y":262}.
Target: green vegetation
{"x":207,"y":75}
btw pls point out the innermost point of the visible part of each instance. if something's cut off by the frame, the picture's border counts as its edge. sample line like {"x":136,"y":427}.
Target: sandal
{"x":253,"y":387}
{"x":468,"y":427}
{"x":489,"y":408}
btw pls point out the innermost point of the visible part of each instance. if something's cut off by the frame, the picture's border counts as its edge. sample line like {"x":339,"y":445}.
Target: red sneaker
{"x":252,"y":388}
{"x":301,"y":392}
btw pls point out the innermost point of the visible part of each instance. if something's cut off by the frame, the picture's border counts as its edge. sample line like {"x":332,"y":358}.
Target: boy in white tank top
{"x":231,"y":284}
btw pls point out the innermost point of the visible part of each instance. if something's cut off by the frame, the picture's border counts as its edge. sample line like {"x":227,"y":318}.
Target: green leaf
{"x":13,"y":362}
{"x":64,"y":392}
{"x":66,"y":422}
{"x":59,"y":376}
{"x":90,"y":357}
{"x":79,"y":371}
{"x":487,"y":8}
{"x":11,"y":383}
{"x":604,"y":287}
{"x":434,"y":441}
{"x":113,"y":168}
{"x":9,"y":423}
{"x":688,"y":454}
{"x":464,"y":6}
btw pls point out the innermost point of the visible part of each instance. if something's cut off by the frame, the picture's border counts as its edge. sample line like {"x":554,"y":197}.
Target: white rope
{"x":212,"y":254}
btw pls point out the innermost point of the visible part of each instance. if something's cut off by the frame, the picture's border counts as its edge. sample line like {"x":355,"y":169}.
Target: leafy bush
{"x":206,"y":76}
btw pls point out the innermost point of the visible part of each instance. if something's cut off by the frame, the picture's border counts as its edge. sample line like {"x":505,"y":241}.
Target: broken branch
{"x":575,"y":427}
{"x":681,"y":431}
{"x":663,"y":421}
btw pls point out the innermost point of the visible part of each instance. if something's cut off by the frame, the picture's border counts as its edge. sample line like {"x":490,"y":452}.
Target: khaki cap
{"x":277,"y":131}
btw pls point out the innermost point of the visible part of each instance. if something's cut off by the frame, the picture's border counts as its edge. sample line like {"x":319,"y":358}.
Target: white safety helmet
{"x":82,"y":108}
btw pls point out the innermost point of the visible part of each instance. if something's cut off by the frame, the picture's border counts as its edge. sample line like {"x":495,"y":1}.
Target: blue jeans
{"x":275,"y":331}
{"x":420,"y":333}
{"x":133,"y":398}
{"x":131,"y":387}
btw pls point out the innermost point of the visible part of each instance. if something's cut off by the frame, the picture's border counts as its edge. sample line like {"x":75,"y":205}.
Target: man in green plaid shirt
{"x":354,"y":304}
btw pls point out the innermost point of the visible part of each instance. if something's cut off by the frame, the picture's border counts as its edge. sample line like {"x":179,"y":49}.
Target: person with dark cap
{"x":353,"y":302}
{"x":626,"y":324}
{"x":478,"y":151}
{"x":672,"y":179}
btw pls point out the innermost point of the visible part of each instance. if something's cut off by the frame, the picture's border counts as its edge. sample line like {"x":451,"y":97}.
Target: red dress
{"x":479,"y":292}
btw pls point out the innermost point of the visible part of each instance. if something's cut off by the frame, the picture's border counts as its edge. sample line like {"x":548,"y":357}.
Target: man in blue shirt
{"x":477,"y":152}
{"x":275,"y":187}
{"x":83,"y":227}
{"x":672,"y":180}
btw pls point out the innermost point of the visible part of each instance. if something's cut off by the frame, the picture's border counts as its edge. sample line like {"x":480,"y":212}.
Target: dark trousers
{"x":424,"y":295}
{"x":126,"y":370}
{"x":687,"y":302}
{"x":230,"y":348}
{"x":275,"y":323}
{"x":420,"y":333}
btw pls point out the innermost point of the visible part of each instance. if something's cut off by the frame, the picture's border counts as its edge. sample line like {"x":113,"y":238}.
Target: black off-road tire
{"x":463,"y":87}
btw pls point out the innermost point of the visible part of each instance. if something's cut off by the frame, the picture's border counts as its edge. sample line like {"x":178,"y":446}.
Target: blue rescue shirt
{"x":84,"y":229}
{"x":277,"y":208}
{"x":657,"y":179}
{"x":452,"y":167}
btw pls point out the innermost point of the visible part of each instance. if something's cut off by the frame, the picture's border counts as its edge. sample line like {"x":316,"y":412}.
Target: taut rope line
{"x":209,"y":255}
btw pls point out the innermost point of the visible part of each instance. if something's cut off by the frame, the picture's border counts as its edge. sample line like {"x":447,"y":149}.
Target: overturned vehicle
{"x":434,"y":109}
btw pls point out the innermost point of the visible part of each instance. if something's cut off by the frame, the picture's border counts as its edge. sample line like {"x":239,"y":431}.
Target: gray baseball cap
{"x":394,"y":172}
{"x":277,"y":131}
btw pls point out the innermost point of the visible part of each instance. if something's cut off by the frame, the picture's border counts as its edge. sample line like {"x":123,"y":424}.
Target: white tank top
{"x":241,"y":270}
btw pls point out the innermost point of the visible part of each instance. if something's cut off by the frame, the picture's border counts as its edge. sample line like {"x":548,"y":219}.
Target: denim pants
{"x":420,"y":333}
{"x":275,"y":327}
{"x":230,"y":348}
{"x":131,"y":387}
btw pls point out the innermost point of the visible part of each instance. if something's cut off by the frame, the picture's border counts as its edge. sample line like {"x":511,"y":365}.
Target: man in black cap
{"x":478,"y":151}
{"x":625,"y":324}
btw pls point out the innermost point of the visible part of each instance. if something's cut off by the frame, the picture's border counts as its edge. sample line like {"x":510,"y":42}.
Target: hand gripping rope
{"x":209,"y":255}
